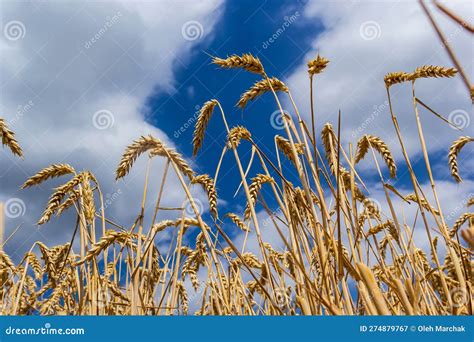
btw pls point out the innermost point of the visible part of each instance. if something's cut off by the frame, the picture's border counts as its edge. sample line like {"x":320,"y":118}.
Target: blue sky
{"x":244,"y":27}
{"x":131,"y":64}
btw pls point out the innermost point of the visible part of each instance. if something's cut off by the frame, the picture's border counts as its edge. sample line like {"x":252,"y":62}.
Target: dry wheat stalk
{"x":260,"y":88}
{"x":88,"y":199}
{"x":254,"y":189}
{"x":246,"y":61}
{"x":285,"y":146}
{"x":395,"y":78}
{"x":454,"y":151}
{"x":52,"y":171}
{"x":201,"y":124}
{"x":426,"y":71}
{"x":460,"y":221}
{"x":74,"y":195}
{"x":133,"y":151}
{"x":236,"y":134}
{"x":175,"y":157}
{"x":238,"y":222}
{"x":424,"y":203}
{"x":379,"y":145}
{"x":105,"y":241}
{"x":35,"y":264}
{"x":8,"y":139}
{"x":208,"y":185}
{"x":59,"y":194}
{"x":330,"y":145}
{"x":317,"y":65}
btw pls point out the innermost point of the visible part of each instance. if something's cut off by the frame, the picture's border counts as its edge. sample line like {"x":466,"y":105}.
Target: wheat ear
{"x":381,"y":147}
{"x":8,"y":139}
{"x":208,"y":185}
{"x":395,"y":77}
{"x":246,"y":61}
{"x":238,"y":222}
{"x":201,"y":124}
{"x":285,"y":146}
{"x":52,"y":171}
{"x":317,"y":65}
{"x":254,"y":189}
{"x":427,"y":71}
{"x":260,"y":88}
{"x":236,"y":134}
{"x":453,"y":156}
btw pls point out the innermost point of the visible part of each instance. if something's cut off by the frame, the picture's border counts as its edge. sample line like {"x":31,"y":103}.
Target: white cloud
{"x":366,"y":40}
{"x":71,"y":62}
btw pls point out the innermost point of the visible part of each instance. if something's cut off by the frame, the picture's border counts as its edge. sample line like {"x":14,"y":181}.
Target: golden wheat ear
{"x":254,"y":189}
{"x":429,"y":71}
{"x":52,"y":171}
{"x":246,"y":61}
{"x":260,"y":88}
{"x":236,"y":134}
{"x":201,"y":124}
{"x":381,"y":147}
{"x":8,"y":139}
{"x":133,"y":151}
{"x":317,"y":65}
{"x":454,"y":151}
{"x":395,"y":78}
{"x":208,"y":184}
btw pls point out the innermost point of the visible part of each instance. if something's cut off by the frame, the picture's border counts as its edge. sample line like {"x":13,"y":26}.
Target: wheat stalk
{"x":201,"y":124}
{"x":105,"y":241}
{"x":8,"y":139}
{"x":424,"y":203}
{"x":454,"y":151}
{"x":133,"y":151}
{"x":238,"y":222}
{"x":208,"y":185}
{"x":236,"y":134}
{"x":427,"y":71}
{"x":460,"y":221}
{"x":58,"y":195}
{"x":285,"y":146}
{"x":260,"y":88}
{"x":317,"y":65}
{"x":395,"y":78}
{"x":246,"y":61}
{"x":254,"y":189}
{"x":379,"y":145}
{"x":52,"y":171}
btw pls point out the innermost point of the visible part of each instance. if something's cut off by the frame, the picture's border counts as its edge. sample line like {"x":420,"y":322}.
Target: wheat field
{"x":342,"y":255}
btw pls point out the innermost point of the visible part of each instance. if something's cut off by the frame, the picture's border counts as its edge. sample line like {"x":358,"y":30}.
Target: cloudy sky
{"x":79,"y":81}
